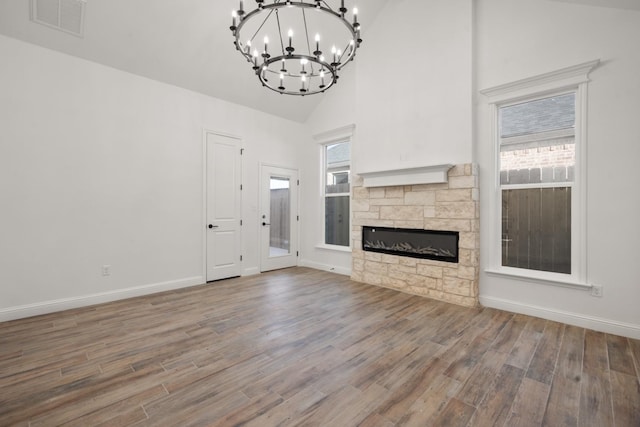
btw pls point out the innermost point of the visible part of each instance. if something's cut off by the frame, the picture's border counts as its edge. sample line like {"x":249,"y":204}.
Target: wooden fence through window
{"x":536,"y":229}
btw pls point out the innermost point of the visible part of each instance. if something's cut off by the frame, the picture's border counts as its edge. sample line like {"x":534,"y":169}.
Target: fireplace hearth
{"x":415,"y":243}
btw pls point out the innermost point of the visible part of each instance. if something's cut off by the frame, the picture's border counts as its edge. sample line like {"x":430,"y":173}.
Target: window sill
{"x":334,"y":248}
{"x":536,"y":277}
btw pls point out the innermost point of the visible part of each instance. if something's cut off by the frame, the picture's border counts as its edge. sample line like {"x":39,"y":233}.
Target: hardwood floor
{"x":304,"y":347}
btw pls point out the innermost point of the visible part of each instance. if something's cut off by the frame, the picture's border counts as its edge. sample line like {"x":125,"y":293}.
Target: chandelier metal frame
{"x":315,"y":66}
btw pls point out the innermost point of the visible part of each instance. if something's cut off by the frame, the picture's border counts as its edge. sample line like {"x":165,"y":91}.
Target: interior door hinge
{"x":240,"y":257}
{"x":240,"y":187}
{"x":298,"y":217}
{"x":297,"y":253}
{"x":298,"y":182}
{"x":241,"y":151}
{"x":240,"y":222}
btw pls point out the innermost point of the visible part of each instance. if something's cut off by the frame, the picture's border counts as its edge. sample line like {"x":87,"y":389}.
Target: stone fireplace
{"x":447,"y":208}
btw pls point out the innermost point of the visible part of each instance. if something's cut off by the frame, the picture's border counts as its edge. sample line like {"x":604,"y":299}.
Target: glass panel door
{"x":278,"y":218}
{"x":280,"y":214}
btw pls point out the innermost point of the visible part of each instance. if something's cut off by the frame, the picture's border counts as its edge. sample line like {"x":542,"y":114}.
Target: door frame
{"x":297,"y":210}
{"x":205,"y":194}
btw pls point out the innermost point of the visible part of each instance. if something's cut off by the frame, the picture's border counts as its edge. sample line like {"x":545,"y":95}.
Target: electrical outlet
{"x":106,"y":270}
{"x":596,"y":291}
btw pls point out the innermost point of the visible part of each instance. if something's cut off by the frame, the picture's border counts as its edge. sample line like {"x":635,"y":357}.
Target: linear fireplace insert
{"x":426,"y":244}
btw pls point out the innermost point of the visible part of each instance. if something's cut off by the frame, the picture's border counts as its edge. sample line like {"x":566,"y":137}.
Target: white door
{"x":223,"y":207}
{"x":278,"y":218}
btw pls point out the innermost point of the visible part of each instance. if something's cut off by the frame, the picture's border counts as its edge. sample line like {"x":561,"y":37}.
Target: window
{"x":538,"y":211}
{"x":337,"y":181}
{"x":537,"y":145}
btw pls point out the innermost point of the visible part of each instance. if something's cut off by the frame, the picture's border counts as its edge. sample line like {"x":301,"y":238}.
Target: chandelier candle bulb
{"x":241,"y":10}
{"x":355,"y":16}
{"x":255,"y":59}
{"x":266,"y":45}
{"x":317,"y":52}
{"x":290,"y":48}
{"x":248,"y":47}
{"x":234,"y":15}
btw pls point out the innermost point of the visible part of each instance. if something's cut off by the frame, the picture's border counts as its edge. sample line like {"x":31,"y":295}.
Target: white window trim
{"x":343,"y":134}
{"x":574,"y":78}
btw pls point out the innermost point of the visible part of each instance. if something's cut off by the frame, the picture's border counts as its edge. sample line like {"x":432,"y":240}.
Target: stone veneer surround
{"x":452,"y":206}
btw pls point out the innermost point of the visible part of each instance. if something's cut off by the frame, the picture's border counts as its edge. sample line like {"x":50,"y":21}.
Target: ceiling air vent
{"x":63,"y":15}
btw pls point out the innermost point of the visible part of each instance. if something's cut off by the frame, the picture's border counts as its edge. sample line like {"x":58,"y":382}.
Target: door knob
{"x":213,"y":226}
{"x":264,"y":224}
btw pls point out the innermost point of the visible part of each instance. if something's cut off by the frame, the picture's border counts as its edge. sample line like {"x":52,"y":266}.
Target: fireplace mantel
{"x":434,"y":174}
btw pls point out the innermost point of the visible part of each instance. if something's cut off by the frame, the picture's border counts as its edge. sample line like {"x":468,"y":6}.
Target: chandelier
{"x":296,"y":47}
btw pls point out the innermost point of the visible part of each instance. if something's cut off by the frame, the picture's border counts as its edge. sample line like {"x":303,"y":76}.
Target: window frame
{"x":572,"y":79}
{"x":559,"y":184}
{"x":337,"y":136}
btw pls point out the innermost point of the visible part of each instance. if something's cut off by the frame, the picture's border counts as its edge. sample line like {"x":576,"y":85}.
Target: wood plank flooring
{"x":301,"y":347}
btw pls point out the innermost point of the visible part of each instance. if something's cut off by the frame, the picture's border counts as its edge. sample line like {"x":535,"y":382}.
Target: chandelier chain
{"x":262,"y":25}
{"x":280,"y":31}
{"x":306,"y":31}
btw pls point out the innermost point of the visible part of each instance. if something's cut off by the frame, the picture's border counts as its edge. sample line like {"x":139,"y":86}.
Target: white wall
{"x":98,"y":166}
{"x":336,"y":111}
{"x":414,"y":88}
{"x":409,"y":95}
{"x":522,"y":38}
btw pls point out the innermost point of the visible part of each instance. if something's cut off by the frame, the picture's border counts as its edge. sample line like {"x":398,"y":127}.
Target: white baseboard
{"x":597,"y":324}
{"x":52,"y":306}
{"x":250,"y":271}
{"x":324,"y":267}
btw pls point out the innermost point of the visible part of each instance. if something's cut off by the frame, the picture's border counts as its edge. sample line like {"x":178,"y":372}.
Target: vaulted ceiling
{"x":186,"y":43}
